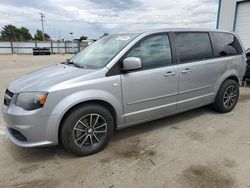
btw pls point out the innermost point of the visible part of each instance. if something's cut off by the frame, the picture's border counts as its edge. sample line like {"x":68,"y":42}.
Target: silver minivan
{"x":123,"y":80}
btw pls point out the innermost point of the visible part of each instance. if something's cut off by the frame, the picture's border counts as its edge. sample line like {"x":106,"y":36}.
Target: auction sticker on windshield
{"x":122,"y":38}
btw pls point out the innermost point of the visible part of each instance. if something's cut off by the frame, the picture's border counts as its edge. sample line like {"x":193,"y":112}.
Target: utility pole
{"x":42,"y":20}
{"x":73,"y":49}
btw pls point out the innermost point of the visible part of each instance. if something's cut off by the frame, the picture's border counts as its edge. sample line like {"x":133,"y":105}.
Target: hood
{"x":45,"y":78}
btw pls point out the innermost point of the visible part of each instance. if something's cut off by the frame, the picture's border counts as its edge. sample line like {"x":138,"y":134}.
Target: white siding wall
{"x":242,"y":26}
{"x":228,"y":16}
{"x":227,"y":12}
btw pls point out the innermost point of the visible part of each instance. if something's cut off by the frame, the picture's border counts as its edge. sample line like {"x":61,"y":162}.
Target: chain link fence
{"x":55,"y":47}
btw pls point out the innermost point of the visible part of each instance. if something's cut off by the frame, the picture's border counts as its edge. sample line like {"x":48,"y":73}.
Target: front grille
{"x":7,"y":97}
{"x":8,"y":92}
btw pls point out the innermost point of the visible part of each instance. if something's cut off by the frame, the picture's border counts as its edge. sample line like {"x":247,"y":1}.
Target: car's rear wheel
{"x":87,"y":129}
{"x":227,"y":96}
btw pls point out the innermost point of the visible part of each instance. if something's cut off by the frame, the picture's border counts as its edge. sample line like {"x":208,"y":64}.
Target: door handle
{"x":187,"y":70}
{"x":170,"y":73}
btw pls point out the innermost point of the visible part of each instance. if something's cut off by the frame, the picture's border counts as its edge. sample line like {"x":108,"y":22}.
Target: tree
{"x":83,"y":38}
{"x":46,"y":36}
{"x":12,"y":33}
{"x":24,"y":34}
{"x":38,"y":35}
{"x":9,"y":33}
{"x":104,"y":34}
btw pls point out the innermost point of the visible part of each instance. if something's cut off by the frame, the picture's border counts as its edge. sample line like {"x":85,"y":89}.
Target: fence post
{"x":78,"y":46}
{"x":51,"y":44}
{"x":65,"y":47}
{"x":11,"y":46}
{"x":58,"y":49}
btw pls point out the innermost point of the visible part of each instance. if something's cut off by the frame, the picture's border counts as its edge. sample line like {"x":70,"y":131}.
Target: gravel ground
{"x":199,"y":148}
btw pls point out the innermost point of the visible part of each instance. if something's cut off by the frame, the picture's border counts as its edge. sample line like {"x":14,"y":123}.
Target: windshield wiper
{"x":67,"y":62}
{"x":77,"y":65}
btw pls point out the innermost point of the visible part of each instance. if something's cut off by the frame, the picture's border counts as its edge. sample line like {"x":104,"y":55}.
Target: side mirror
{"x":131,"y":63}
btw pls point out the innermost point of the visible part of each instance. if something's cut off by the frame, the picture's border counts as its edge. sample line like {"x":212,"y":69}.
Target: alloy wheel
{"x":90,"y":130}
{"x":230,"y":97}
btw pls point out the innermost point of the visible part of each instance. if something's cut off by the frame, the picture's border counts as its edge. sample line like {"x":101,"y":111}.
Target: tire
{"x":78,"y":137}
{"x":227,"y":97}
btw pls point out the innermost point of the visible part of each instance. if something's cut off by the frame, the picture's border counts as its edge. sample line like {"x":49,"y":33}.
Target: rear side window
{"x":153,"y":51}
{"x":225,"y":44}
{"x":193,"y":46}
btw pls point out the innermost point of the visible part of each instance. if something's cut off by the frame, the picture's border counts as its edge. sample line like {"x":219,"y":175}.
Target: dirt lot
{"x":199,"y":148}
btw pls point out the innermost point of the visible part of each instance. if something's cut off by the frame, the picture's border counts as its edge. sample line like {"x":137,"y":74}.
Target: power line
{"x":42,"y":20}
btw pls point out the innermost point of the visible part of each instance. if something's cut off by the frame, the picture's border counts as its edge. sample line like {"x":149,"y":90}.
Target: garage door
{"x":242,"y":27}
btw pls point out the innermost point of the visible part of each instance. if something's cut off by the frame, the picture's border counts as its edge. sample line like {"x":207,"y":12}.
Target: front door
{"x":152,"y":91}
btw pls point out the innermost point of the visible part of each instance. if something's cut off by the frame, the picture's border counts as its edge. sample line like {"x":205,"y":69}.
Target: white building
{"x":234,"y":15}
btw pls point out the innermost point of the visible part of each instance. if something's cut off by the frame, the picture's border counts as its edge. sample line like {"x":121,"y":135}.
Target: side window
{"x":153,"y":51}
{"x":225,"y":44}
{"x":193,"y":46}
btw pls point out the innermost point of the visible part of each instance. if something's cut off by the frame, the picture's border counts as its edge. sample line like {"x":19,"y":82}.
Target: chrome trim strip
{"x":153,"y":98}
{"x":149,"y":109}
{"x":196,"y":89}
{"x":202,"y":96}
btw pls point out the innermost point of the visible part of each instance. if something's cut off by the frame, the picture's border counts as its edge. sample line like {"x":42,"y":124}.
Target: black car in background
{"x":41,"y":51}
{"x":247,"y":75}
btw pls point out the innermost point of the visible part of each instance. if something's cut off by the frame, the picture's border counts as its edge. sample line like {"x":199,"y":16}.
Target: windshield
{"x":98,"y":54}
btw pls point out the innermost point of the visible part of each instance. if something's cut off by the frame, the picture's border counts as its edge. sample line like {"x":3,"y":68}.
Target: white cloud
{"x":92,"y":17}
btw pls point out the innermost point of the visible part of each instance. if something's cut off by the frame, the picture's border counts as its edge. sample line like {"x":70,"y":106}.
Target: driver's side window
{"x":153,"y":51}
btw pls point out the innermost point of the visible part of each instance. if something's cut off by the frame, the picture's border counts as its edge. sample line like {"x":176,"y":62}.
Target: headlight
{"x":31,"y":100}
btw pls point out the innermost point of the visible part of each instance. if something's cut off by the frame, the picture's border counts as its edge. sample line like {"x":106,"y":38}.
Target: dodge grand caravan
{"x":123,"y":80}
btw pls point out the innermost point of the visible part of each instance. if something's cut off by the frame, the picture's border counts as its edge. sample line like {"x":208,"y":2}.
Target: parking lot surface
{"x":199,"y":148}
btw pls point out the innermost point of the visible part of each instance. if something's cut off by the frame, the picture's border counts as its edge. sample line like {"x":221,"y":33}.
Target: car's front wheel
{"x":87,"y":129}
{"x":227,"y":96}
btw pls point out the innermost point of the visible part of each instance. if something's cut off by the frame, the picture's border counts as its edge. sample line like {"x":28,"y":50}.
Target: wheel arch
{"x":100,"y":102}
{"x":227,"y":77}
{"x":233,"y":77}
{"x":219,"y":103}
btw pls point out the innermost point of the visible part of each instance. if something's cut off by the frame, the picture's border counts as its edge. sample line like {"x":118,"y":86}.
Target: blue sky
{"x":93,"y":17}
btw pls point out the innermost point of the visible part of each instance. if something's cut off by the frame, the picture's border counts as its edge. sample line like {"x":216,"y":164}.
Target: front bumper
{"x":30,"y":128}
